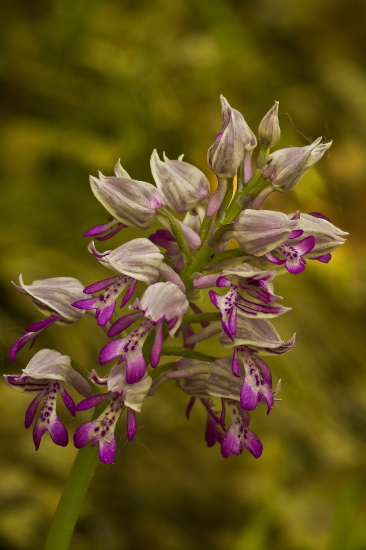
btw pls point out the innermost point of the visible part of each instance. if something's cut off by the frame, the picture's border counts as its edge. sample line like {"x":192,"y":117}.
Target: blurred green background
{"x":86,"y":82}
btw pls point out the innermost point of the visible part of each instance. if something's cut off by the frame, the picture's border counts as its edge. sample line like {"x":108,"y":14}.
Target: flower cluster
{"x":224,"y":242}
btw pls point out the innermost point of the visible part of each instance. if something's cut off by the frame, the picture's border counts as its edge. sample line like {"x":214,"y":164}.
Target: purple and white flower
{"x":46,"y":374}
{"x":54,"y":298}
{"x":203,"y":380}
{"x":250,"y":295}
{"x":292,"y":236}
{"x":137,"y":260}
{"x":260,"y":231}
{"x":160,"y":302}
{"x":121,"y":395}
{"x":227,"y":153}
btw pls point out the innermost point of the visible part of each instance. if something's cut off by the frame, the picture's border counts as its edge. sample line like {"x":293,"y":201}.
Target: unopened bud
{"x":235,"y":137}
{"x":269,"y":129}
{"x":182,"y":185}
{"x":289,"y":165}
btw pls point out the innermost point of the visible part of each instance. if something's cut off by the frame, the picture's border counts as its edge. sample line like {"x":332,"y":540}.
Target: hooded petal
{"x":55,"y":296}
{"x":51,"y":365}
{"x":139,"y":259}
{"x":181,"y":185}
{"x":163,"y":302}
{"x":260,"y":231}
{"x":253,"y":332}
{"x":131,"y":202}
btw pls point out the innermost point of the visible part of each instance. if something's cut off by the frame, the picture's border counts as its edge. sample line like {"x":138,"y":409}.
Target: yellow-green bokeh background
{"x":84,"y":82}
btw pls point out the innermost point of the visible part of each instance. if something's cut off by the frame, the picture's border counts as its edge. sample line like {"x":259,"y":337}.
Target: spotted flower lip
{"x":137,"y":260}
{"x":163,"y":302}
{"x":288,"y":165}
{"x":238,"y":435}
{"x":293,"y":254}
{"x":121,"y":395}
{"x":132,"y":202}
{"x":182,"y":185}
{"x":203,"y":380}
{"x":160,"y":302}
{"x":44,"y":375}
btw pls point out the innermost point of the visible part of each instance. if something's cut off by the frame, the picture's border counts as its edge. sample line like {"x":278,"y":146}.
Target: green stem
{"x":177,"y":232}
{"x":73,"y":495}
{"x":203,"y":255}
{"x":72,"y":499}
{"x":227,"y":199}
{"x":201,"y":318}
{"x":205,"y":228}
{"x":227,"y":255}
{"x":191,"y":353}
{"x":253,"y":187}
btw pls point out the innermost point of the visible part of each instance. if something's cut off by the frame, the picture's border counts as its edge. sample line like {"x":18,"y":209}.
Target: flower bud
{"x":131,"y":202}
{"x":227,"y":152}
{"x":269,"y":129}
{"x":289,"y":165}
{"x":182,"y":185}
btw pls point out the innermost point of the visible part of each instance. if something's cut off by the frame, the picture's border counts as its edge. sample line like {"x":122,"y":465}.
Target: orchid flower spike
{"x":178,"y":259}
{"x":46,"y":374}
